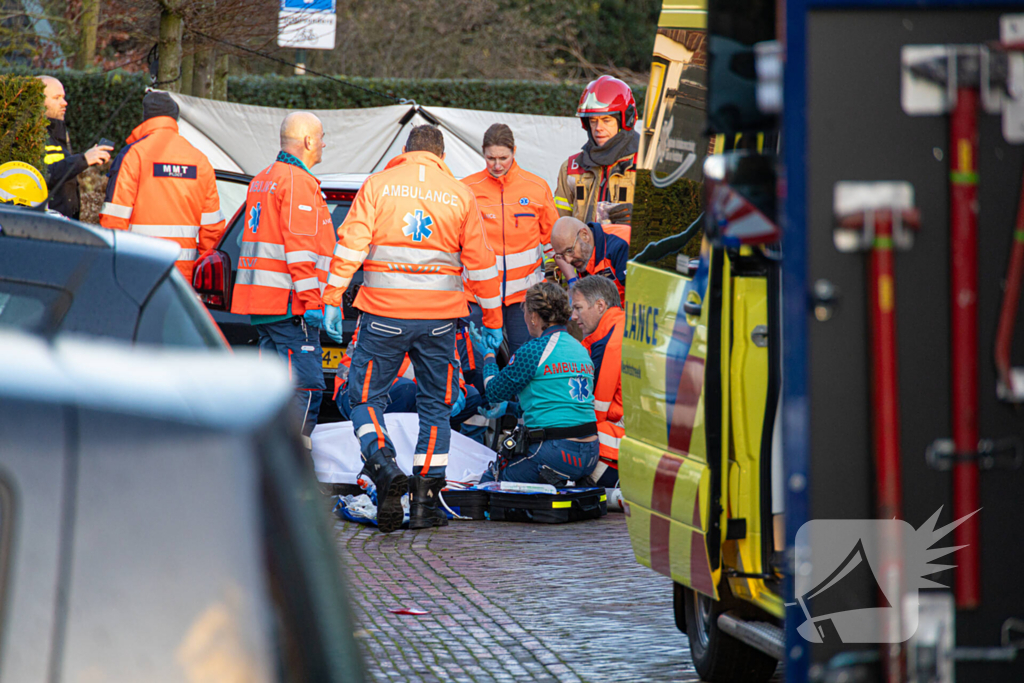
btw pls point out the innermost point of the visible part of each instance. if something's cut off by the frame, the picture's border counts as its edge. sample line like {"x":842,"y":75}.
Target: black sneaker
{"x":391,"y":485}
{"x":424,"y":511}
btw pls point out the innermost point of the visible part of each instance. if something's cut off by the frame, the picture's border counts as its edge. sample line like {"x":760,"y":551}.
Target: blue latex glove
{"x":484,"y":338}
{"x":460,"y":403}
{"x":493,"y":338}
{"x":314,"y":318}
{"x":332,"y":322}
{"x":495,"y":411}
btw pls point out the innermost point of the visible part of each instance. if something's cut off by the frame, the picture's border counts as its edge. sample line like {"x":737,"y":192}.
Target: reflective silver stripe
{"x":522,"y":258}
{"x":523,"y":283}
{"x":338,"y":281}
{"x":165,"y":230}
{"x":436,"y":460}
{"x":489,"y":302}
{"x":349,"y":254}
{"x":263,"y":278}
{"x":563,"y":203}
{"x":324,"y":263}
{"x":428,"y":281}
{"x":599,"y":470}
{"x":367,"y":428}
{"x":415,"y":257}
{"x":263,"y":250}
{"x":549,"y":348}
{"x":211,"y":218}
{"x":602,"y":405}
{"x":188,"y":255}
{"x":116,"y":210}
{"x":307,"y":284}
{"x":482,"y":274}
{"x":301,"y":257}
{"x":608,"y":440}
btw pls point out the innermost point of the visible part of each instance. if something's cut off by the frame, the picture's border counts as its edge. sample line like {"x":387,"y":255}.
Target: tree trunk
{"x":220,"y":77}
{"x":187,"y":66}
{"x":88,"y":24}
{"x":169,"y":53}
{"x":202,"y":71}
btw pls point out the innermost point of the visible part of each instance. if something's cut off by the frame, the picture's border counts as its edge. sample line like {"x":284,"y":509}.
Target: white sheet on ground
{"x":336,"y":451}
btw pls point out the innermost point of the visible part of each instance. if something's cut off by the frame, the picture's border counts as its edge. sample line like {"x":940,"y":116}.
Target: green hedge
{"x":310,"y":92}
{"x":22,"y":120}
{"x":93,"y":97}
{"x":663,"y":212}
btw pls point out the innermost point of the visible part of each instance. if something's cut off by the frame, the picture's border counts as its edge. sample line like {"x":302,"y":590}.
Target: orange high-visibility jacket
{"x":605,"y":347}
{"x":287,"y":244}
{"x":518,"y":212}
{"x":611,"y":252}
{"x":413,"y":227}
{"x":166,"y":188}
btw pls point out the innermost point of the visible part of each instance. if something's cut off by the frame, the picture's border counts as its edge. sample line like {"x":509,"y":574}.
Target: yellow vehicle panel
{"x":665,"y":513}
{"x":663,"y":466}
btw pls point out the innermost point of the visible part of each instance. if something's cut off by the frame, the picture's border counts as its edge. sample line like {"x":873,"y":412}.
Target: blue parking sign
{"x":310,"y":5}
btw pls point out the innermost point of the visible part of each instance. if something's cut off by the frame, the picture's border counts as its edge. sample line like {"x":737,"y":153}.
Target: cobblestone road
{"x":512,"y":602}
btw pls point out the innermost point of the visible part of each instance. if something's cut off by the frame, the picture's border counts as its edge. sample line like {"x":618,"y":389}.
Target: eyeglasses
{"x":568,"y":253}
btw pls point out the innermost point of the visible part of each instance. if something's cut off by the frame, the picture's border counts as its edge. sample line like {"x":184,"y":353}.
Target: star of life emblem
{"x":254,"y":217}
{"x":579,"y":389}
{"x":417,"y":226}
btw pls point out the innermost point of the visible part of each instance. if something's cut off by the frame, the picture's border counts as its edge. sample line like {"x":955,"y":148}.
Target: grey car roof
{"x":219,"y":390}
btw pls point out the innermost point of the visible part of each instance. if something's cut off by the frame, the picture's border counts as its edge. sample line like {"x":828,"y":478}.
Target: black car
{"x":214,"y":276}
{"x":59,"y":276}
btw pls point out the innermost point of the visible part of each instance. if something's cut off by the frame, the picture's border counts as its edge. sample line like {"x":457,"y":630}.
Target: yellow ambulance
{"x":701,"y":383}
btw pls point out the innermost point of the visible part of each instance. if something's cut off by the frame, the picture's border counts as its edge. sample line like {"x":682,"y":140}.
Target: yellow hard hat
{"x":21,"y":183}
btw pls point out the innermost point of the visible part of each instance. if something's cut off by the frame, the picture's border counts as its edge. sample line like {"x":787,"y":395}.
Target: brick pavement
{"x":512,"y":602}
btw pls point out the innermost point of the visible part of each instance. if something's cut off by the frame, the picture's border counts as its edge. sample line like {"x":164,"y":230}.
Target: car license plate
{"x":332,"y":358}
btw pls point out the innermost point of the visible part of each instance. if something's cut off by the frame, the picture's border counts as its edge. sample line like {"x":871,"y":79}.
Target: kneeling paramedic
{"x":412,"y":227}
{"x":287,"y":243}
{"x":595,"y":308}
{"x":554,"y":379}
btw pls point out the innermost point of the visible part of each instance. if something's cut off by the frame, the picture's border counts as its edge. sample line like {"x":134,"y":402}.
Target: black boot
{"x":424,"y":511}
{"x":391,"y":485}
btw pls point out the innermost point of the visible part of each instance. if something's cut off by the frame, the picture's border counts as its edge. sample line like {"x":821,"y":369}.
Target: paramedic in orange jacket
{"x":595,"y":308}
{"x":287,"y":244}
{"x":162,"y":186}
{"x":518,"y":213}
{"x":414,"y":228}
{"x":583,"y":249}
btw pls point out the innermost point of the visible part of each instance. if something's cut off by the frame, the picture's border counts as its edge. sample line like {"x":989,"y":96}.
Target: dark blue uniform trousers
{"x":383,"y":343}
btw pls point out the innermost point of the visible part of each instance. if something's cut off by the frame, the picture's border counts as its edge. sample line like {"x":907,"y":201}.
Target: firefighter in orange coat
{"x":518,"y":212}
{"x":414,"y":228}
{"x":162,"y":186}
{"x":595,"y":308}
{"x":283,"y":266}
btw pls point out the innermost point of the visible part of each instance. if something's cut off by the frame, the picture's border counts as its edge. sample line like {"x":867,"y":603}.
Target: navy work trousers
{"x":549,"y":461}
{"x":383,"y":343}
{"x":298,"y":345}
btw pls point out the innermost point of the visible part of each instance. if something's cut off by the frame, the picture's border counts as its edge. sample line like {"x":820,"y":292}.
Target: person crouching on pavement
{"x":554,"y":378}
{"x":282,"y":268}
{"x":413,"y":228}
{"x":595,"y":308}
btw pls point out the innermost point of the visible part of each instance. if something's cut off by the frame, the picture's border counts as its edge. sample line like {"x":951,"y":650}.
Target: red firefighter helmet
{"x":608,"y":96}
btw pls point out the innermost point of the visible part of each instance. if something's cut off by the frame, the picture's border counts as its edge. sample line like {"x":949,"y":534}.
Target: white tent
{"x":244,"y":138}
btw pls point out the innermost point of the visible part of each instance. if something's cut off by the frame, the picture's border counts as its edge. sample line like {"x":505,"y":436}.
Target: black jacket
{"x":60,"y":161}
